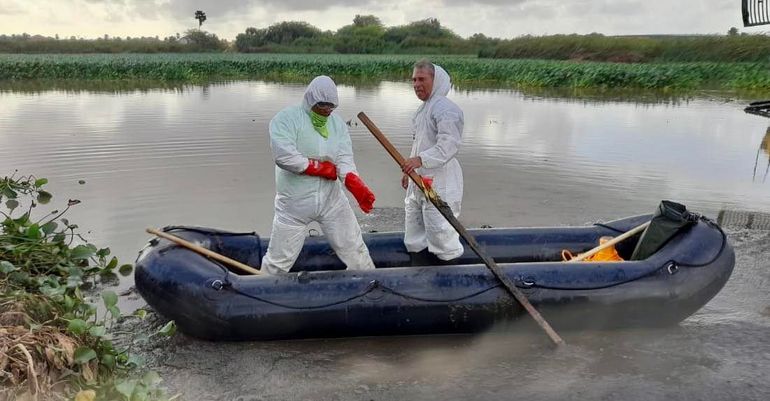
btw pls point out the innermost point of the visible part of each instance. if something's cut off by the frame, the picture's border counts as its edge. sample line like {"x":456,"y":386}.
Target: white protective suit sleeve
{"x":283,"y":144}
{"x":448,"y":138}
{"x":345,"y":163}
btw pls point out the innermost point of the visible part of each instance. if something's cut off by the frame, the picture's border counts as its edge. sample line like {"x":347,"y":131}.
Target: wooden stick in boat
{"x":203,"y":251}
{"x":446,"y":211}
{"x":610,"y":243}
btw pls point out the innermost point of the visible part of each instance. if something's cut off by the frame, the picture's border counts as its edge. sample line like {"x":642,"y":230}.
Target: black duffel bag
{"x":669,"y":219}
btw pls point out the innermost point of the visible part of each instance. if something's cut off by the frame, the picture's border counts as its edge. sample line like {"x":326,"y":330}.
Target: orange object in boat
{"x":609,"y":254}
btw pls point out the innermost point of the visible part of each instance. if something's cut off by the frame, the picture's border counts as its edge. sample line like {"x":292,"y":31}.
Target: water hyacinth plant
{"x":199,"y":68}
{"x":53,"y":341}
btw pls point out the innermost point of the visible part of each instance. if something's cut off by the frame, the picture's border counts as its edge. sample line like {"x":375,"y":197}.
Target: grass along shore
{"x":198,"y":68}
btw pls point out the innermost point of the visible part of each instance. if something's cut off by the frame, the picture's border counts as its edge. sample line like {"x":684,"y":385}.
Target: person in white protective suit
{"x":438,"y":126}
{"x":312,"y":150}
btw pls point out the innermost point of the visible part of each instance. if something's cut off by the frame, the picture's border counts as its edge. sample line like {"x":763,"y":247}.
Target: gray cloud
{"x":496,"y":18}
{"x":500,"y":3}
{"x":225,"y":8}
{"x":624,"y":8}
{"x":11,"y":7}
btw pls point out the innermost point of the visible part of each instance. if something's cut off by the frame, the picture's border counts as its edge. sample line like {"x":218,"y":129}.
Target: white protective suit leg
{"x":286,"y":240}
{"x":339,"y":224}
{"x":415,"y":238}
{"x":427,"y":227}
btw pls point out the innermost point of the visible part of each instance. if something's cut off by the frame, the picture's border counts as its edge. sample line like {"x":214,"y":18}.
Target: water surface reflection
{"x":200,"y":154}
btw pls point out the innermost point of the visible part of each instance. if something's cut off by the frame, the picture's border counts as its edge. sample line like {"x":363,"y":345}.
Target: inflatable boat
{"x":419,"y":294}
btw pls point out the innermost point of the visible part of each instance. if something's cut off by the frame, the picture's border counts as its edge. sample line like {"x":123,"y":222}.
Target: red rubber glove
{"x":321,"y":169}
{"x":360,"y":191}
{"x":428,"y":182}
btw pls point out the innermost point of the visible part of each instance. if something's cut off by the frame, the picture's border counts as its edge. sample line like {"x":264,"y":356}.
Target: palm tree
{"x":200,"y":16}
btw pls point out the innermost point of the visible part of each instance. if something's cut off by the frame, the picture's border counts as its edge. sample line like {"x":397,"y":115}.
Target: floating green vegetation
{"x":54,"y":342}
{"x":199,"y":68}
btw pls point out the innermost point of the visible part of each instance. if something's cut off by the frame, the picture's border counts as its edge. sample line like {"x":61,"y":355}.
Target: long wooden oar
{"x":610,"y":243}
{"x":203,"y":251}
{"x":446,"y":211}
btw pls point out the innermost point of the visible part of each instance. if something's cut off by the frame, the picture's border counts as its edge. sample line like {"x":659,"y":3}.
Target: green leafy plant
{"x":53,"y":337}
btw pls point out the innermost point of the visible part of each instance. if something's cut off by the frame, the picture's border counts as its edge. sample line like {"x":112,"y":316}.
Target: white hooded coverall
{"x":438,"y":126}
{"x":301,"y":199}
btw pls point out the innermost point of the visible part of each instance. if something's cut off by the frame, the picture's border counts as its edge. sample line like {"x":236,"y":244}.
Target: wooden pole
{"x":203,"y":251}
{"x":610,"y":243}
{"x":446,"y":211}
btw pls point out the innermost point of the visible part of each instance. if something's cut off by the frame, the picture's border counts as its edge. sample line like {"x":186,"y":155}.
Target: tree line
{"x":368,"y":35}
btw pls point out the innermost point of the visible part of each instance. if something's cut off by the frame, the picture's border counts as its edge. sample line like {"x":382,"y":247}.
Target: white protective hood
{"x":320,"y":89}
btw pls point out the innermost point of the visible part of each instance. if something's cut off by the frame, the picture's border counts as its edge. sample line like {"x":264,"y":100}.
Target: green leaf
{"x":60,"y":237}
{"x":97,"y":331}
{"x":12,"y":204}
{"x":109,"y":278}
{"x":110,"y":298}
{"x":103,"y":252}
{"x":168,"y":329}
{"x":114,"y":311}
{"x":84,"y":354}
{"x":49,"y":227}
{"x":77,"y":326}
{"x":40,"y":182}
{"x":33,"y":232}
{"x":52,"y":291}
{"x":113,"y":263}
{"x":19,"y":276}
{"x":69,"y":303}
{"x":9,"y":193}
{"x":108,"y":360}
{"x":6,"y":267}
{"x":44,"y":197}
{"x":82,"y":252}
{"x":23,"y":220}
{"x":106,"y":346}
{"x":125,"y":270}
{"x":126,"y":388}
{"x":140,"y":313}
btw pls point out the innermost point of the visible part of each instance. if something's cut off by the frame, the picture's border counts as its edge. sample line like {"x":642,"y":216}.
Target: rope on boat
{"x":203,"y":230}
{"x":374,"y":284}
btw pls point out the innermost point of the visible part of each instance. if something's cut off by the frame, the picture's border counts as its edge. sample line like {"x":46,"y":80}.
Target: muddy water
{"x":199,"y":155}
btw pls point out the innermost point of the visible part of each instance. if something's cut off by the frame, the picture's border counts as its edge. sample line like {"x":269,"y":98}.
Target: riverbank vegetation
{"x":198,"y":68}
{"x":55,"y":342}
{"x":367,"y":49}
{"x":192,"y":41}
{"x":368,"y":35}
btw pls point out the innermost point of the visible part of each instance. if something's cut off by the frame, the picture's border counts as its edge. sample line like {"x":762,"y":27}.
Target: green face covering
{"x":319,"y":123}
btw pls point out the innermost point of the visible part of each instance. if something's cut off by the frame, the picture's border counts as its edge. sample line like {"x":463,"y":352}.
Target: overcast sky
{"x":496,"y":18}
